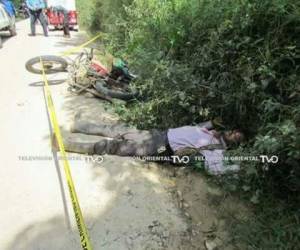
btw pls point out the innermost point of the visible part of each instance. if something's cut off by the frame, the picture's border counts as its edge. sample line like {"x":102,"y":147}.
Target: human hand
{"x":216,"y":134}
{"x":218,"y":122}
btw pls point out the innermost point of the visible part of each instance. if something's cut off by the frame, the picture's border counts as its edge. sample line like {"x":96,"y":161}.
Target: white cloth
{"x":190,"y":137}
{"x":199,"y":137}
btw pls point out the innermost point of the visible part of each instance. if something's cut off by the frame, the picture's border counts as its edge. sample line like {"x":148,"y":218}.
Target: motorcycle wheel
{"x":52,"y":65}
{"x":122,"y":94}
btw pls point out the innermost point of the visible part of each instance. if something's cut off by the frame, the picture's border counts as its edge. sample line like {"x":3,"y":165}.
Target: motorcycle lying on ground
{"x":89,"y":75}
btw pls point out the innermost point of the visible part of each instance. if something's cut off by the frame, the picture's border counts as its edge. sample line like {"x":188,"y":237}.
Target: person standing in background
{"x":36,"y":8}
{"x":59,"y":9}
{"x":23,"y":9}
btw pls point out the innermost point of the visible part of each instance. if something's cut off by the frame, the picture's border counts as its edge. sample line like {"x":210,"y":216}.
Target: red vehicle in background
{"x":56,"y":20}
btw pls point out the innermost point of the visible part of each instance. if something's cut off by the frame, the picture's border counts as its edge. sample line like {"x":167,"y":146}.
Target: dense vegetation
{"x":17,"y":3}
{"x":238,"y":60}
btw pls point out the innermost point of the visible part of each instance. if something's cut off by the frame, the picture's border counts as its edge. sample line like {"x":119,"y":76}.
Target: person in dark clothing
{"x":36,"y":8}
{"x":118,"y":138}
{"x":61,"y":10}
{"x":121,"y":140}
{"x":23,"y":9}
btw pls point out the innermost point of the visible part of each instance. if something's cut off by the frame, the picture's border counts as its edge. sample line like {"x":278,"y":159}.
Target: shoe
{"x":67,"y":36}
{"x":46,"y":35}
{"x":31,"y":34}
{"x":100,"y":147}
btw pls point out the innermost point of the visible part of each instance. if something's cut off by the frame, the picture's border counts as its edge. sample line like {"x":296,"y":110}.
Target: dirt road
{"x":125,"y":204}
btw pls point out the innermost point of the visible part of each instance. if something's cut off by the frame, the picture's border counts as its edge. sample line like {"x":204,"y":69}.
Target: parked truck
{"x":6,"y":23}
{"x":56,"y":20}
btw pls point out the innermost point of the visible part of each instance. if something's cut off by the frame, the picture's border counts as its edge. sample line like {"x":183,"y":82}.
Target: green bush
{"x":200,"y":59}
{"x":17,"y":3}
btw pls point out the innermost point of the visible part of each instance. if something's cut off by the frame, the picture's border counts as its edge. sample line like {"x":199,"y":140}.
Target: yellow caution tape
{"x":83,"y":233}
{"x":75,"y":49}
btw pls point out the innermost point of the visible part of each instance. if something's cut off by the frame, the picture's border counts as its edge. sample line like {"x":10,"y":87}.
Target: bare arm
{"x":186,"y":151}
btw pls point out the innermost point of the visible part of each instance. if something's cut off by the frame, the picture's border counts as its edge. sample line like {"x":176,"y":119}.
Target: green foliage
{"x":17,"y":3}
{"x":273,"y":226}
{"x":201,"y":59}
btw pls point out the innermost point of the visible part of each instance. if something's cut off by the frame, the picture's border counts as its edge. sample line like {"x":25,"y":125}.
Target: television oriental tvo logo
{"x":269,"y":159}
{"x":263,"y":158}
{"x":180,"y":160}
{"x":94,"y":159}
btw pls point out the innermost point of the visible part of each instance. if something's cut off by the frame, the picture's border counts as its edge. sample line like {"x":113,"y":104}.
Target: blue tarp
{"x":9,"y":7}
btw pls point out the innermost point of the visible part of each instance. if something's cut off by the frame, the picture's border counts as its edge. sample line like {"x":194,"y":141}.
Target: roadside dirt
{"x":210,"y":211}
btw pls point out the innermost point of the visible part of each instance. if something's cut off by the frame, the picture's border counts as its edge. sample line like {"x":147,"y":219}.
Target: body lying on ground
{"x":121,"y":140}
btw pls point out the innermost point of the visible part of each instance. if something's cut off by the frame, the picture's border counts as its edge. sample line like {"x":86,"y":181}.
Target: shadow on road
{"x":77,"y":39}
{"x":50,"y":82}
{"x":5,"y":37}
{"x":130,"y":199}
